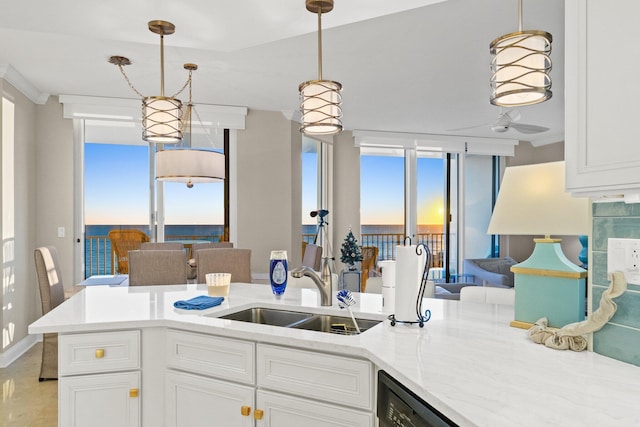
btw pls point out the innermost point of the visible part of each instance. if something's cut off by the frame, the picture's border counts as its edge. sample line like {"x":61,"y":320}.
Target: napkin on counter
{"x":201,"y":302}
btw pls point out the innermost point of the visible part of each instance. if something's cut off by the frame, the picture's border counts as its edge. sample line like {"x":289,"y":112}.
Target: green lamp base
{"x":549,"y":285}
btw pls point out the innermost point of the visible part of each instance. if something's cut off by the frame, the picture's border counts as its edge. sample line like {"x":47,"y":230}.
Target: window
{"x":311,"y":187}
{"x":382,"y":201}
{"x":440,"y":188}
{"x":8,"y":222}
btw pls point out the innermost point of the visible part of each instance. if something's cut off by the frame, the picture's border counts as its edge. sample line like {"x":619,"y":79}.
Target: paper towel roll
{"x":388,"y":273}
{"x":409,"y":269}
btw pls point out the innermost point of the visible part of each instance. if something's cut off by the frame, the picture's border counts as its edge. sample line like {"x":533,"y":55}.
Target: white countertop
{"x":466,"y":362}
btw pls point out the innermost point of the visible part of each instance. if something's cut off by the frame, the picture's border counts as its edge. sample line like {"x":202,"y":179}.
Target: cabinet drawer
{"x":224,"y":358}
{"x":99,"y":352}
{"x":315,"y":375}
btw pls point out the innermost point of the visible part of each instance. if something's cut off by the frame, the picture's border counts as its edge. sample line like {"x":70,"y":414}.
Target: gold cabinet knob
{"x":133,"y":392}
{"x":99,"y":353}
{"x":257,"y":414}
{"x":245,"y":410}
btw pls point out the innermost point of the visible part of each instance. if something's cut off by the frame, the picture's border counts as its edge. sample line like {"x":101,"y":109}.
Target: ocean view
{"x":385,"y":237}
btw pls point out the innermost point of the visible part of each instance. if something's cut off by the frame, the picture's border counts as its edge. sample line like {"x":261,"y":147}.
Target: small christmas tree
{"x":350,"y":251}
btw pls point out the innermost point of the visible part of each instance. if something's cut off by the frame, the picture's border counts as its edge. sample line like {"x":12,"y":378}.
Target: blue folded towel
{"x":201,"y":302}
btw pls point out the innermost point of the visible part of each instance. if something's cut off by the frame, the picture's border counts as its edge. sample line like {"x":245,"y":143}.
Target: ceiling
{"x":419,"y":66}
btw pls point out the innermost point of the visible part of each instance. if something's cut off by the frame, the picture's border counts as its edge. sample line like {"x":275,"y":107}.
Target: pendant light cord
{"x":319,"y":43}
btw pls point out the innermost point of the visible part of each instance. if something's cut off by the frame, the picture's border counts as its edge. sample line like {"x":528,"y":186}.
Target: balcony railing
{"x":99,"y":257}
{"x":386,"y":244}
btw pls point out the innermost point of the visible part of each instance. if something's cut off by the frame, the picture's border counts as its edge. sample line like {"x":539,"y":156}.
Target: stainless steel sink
{"x":268,"y":316}
{"x":335,"y":324}
{"x":301,"y":320}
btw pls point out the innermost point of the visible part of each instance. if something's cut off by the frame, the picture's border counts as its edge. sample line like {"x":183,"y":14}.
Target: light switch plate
{"x":624,"y":255}
{"x":61,"y":231}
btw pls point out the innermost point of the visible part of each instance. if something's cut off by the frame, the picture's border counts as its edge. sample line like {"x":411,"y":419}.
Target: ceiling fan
{"x":508,"y":120}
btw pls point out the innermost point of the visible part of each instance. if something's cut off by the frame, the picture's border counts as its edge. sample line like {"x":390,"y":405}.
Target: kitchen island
{"x":466,"y":362}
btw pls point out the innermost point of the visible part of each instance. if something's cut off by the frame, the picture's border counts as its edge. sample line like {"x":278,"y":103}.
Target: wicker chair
{"x":123,"y":241}
{"x":368,"y":265}
{"x":51,"y":295}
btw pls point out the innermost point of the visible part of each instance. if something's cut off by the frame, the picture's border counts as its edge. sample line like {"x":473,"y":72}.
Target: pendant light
{"x":184,"y":164}
{"x":321,"y":100}
{"x":161,"y":115}
{"x":520,"y":63}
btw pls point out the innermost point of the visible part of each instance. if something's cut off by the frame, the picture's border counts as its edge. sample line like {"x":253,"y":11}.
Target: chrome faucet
{"x":324,"y":283}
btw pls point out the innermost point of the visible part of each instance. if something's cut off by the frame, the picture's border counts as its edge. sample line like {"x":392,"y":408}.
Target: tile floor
{"x":26,"y":402}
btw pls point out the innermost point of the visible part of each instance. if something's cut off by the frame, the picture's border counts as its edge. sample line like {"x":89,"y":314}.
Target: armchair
{"x":494,"y":272}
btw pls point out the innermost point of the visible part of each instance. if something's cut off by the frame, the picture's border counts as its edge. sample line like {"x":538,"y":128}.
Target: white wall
{"x":54,"y":184}
{"x":346,"y":192}
{"x":268,"y":201}
{"x":19,"y":297}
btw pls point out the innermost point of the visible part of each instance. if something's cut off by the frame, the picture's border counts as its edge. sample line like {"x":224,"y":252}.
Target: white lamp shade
{"x":321,"y":107}
{"x":532,"y":201}
{"x":521,"y":64}
{"x":190,"y":166}
{"x":161,"y":120}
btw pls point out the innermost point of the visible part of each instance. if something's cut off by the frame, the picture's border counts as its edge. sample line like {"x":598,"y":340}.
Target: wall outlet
{"x":624,"y":255}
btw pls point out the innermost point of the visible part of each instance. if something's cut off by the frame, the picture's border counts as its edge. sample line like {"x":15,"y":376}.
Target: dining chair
{"x":368,"y":265}
{"x":224,"y":260}
{"x":157,"y":267}
{"x":196,"y":247}
{"x":123,"y":241}
{"x":161,"y":246}
{"x":211,"y":245}
{"x":51,"y":295}
{"x":312,"y":257}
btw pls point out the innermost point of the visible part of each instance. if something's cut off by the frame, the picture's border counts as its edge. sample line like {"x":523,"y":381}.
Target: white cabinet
{"x":192,"y":397}
{"x":193,"y":400}
{"x":99,"y":379}
{"x":240,"y":383}
{"x":319,"y":376}
{"x":283,"y":410}
{"x":201,"y":379}
{"x":305,"y":388}
{"x":602,"y":151}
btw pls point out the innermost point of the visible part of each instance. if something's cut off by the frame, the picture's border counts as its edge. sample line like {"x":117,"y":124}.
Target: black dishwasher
{"x":399,"y":407}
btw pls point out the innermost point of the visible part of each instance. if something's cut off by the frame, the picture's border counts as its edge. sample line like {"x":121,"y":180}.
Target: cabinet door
{"x":318,"y":376}
{"x":195,"y":401}
{"x":281,"y":410}
{"x":601,"y":109}
{"x":99,"y":400}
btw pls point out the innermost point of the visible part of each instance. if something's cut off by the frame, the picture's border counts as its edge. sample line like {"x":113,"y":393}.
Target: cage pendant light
{"x":520,"y":65}
{"x":320,"y":100}
{"x":161,"y":115}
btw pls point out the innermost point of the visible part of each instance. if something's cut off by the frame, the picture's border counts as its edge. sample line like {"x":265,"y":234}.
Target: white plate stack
{"x":388,"y":285}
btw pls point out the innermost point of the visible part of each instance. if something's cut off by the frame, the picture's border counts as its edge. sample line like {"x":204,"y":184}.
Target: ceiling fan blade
{"x":468,"y":127}
{"x":525,"y":128}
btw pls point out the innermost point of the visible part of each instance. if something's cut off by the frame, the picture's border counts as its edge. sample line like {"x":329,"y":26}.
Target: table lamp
{"x":532,"y":201}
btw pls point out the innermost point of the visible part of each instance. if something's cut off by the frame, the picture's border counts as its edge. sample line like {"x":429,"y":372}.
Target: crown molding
{"x":11,"y":75}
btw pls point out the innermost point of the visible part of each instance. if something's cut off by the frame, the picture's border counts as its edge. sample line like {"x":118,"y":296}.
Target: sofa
{"x":491,"y":271}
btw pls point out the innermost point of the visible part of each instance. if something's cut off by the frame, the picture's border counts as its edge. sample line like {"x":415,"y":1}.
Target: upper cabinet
{"x":602,"y":94}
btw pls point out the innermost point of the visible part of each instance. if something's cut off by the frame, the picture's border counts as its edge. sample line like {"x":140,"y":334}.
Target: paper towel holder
{"x":421,"y":319}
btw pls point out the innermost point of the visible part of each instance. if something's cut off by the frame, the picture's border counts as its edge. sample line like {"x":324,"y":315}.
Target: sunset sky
{"x":116,"y":189}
